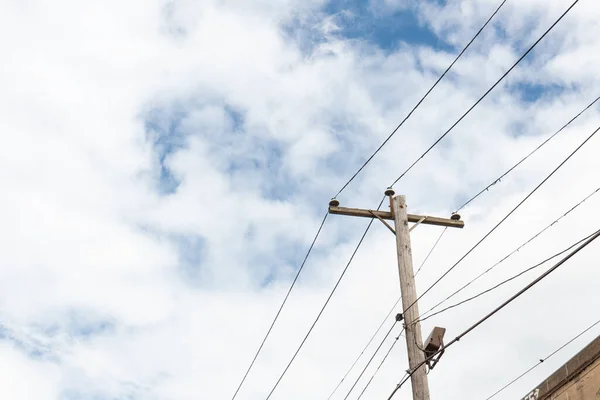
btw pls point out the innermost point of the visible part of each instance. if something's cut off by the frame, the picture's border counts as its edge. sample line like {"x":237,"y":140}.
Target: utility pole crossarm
{"x":358,"y":212}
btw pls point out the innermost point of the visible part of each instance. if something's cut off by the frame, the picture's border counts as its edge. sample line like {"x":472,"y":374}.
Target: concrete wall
{"x":578,"y":379}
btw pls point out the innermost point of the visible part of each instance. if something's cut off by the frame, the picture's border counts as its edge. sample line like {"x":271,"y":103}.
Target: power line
{"x":399,"y":385}
{"x":545,"y":359}
{"x":371,"y":359}
{"x":486,"y":93}
{"x":504,"y":304}
{"x":365,"y":348}
{"x":382,"y":323}
{"x":281,"y":307}
{"x":421,"y":319}
{"x":528,"y":155}
{"x":380,"y":364}
{"x":322,"y":308}
{"x":431,"y":251}
{"x":420,"y":101}
{"x":505,"y":217}
{"x":510,"y":254}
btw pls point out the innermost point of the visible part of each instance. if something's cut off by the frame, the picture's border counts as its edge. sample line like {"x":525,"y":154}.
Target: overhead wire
{"x":486,"y":93}
{"x":431,"y":251}
{"x":399,"y":385}
{"x":380,"y":364}
{"x":497,"y":180}
{"x":505,"y":217}
{"x":281,"y":307}
{"x":505,"y":281}
{"x":504,"y":304}
{"x":322,"y":308}
{"x":370,"y":360}
{"x":520,"y":247}
{"x":381,"y":325}
{"x":422,"y":99}
{"x":542,"y":360}
{"x":365,"y":348}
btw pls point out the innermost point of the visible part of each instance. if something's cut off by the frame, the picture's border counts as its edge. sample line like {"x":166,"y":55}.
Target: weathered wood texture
{"x":414,"y":339}
{"x":357,"y":212}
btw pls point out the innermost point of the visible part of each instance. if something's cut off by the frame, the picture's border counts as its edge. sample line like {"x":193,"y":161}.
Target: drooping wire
{"x":324,"y":305}
{"x":528,"y":155}
{"x":431,"y":251}
{"x":365,"y":348}
{"x":399,"y":385}
{"x":282,"y":305}
{"x":486,"y":93}
{"x":501,"y":306}
{"x":510,"y":254}
{"x":544,"y":359}
{"x":504,"y":218}
{"x":382,"y":323}
{"x":380,"y":364}
{"x":496,"y":286}
{"x":370,"y":360}
{"x":420,"y":101}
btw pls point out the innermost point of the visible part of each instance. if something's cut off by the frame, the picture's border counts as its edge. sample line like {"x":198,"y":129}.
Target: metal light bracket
{"x":434,"y":343}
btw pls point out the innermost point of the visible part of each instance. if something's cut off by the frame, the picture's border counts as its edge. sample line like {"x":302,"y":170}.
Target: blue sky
{"x":386,"y":28}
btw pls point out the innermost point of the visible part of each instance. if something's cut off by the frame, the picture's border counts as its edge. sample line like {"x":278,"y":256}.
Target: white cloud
{"x":134,"y":291}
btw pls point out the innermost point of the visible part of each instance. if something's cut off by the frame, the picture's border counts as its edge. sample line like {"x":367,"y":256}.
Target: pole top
{"x":389,"y":192}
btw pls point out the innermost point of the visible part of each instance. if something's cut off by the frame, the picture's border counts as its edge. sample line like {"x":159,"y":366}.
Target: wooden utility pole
{"x":414,"y":340}
{"x":399,"y":214}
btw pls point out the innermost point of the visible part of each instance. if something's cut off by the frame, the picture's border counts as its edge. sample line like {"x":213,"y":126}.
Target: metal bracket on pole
{"x":382,"y":220}
{"x":417,"y":223}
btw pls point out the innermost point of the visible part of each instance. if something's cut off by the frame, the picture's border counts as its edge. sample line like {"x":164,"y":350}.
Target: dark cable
{"x":399,"y":385}
{"x":486,"y":93}
{"x":505,"y":217}
{"x":365,"y":348}
{"x":544,"y":359}
{"x":370,"y":360}
{"x":504,"y":304}
{"x":505,"y":281}
{"x":510,"y":254}
{"x":527,"y":156}
{"x":431,"y":251}
{"x":281,"y":307}
{"x":324,"y":305}
{"x":380,"y":364}
{"x":420,"y":101}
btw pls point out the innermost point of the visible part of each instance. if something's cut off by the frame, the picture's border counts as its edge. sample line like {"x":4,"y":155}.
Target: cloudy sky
{"x":165,"y":165}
